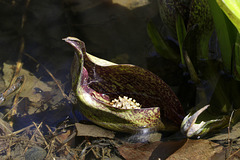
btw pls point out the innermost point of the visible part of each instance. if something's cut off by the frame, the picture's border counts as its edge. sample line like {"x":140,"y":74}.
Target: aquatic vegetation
{"x":208,"y":49}
{"x":103,"y":88}
{"x":232,"y":9}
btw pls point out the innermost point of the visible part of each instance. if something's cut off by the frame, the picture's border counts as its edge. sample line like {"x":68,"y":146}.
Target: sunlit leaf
{"x":225,"y":32}
{"x":232,"y":9}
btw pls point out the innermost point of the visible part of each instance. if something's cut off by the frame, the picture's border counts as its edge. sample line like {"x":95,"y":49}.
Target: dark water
{"x":113,"y":31}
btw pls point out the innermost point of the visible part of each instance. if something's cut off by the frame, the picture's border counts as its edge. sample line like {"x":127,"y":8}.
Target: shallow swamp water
{"x":39,"y":120}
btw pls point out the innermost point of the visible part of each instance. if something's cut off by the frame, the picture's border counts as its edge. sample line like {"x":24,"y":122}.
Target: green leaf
{"x":187,"y":46}
{"x":160,"y":45}
{"x":221,"y":100}
{"x":236,"y":59}
{"x":181,"y":34}
{"x":225,"y":32}
{"x":191,"y":69}
{"x":232,"y":9}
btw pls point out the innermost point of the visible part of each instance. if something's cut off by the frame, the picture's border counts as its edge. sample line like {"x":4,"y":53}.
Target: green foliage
{"x":198,"y":28}
{"x":163,"y":48}
{"x":236,"y":59}
{"x":232,"y":9}
{"x":194,"y":32}
{"x":181,"y":34}
{"x":225,"y":31}
{"x":228,"y":36}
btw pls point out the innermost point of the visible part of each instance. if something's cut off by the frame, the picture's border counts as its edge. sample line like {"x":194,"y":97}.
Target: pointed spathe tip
{"x":71,"y":39}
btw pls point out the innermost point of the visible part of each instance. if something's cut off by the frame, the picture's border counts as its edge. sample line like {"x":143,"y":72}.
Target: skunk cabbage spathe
{"x":122,"y":97}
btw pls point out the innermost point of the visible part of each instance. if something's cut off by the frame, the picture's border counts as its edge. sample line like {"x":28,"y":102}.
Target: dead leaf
{"x":5,"y":128}
{"x":166,"y":149}
{"x":152,"y":151}
{"x":234,"y":134}
{"x":93,"y":131}
{"x":197,"y":150}
{"x":31,"y":82}
{"x":65,"y":135}
{"x":137,"y":151}
{"x":224,"y":154}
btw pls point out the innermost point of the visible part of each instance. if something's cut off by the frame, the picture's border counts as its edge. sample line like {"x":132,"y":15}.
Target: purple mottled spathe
{"x":160,"y":107}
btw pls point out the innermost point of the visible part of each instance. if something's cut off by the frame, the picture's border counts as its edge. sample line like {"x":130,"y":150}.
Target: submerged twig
{"x":16,"y":132}
{"x":51,"y":75}
{"x":229,"y":125}
{"x":17,"y":86}
{"x":17,"y":81}
{"x":32,"y":136}
{"x":233,"y":154}
{"x":67,"y":140}
{"x":12,"y":88}
{"x":12,"y":108}
{"x":229,"y":148}
{"x":9,"y":149}
{"x":19,"y":63}
{"x":52,"y":141}
{"x":62,"y":143}
{"x":16,"y":101}
{"x":41,"y":134}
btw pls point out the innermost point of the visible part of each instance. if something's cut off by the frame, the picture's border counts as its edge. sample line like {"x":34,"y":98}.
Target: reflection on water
{"x":144,"y":135}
